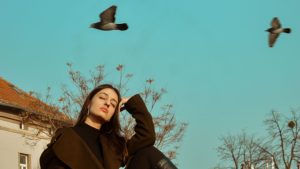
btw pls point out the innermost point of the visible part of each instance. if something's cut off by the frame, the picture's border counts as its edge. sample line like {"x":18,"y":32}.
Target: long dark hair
{"x":112,"y":128}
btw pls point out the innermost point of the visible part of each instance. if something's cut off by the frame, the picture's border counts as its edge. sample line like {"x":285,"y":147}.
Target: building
{"x":26,"y":126}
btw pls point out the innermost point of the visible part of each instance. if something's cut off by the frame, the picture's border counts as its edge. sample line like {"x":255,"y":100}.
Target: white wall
{"x":14,"y":140}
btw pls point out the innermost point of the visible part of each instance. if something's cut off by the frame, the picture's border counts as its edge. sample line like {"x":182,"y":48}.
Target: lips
{"x":104,"y":110}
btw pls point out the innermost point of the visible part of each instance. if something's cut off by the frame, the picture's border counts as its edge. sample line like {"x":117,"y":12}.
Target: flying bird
{"x":107,"y":21}
{"x":275,"y":31}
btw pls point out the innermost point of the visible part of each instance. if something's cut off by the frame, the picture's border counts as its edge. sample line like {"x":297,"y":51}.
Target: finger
{"x":122,"y":108}
{"x":122,"y":104}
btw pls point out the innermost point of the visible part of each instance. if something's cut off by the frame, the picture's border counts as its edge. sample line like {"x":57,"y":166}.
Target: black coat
{"x":68,"y":150}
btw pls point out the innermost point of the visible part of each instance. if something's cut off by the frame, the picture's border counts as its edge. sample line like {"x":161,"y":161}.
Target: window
{"x":23,"y":161}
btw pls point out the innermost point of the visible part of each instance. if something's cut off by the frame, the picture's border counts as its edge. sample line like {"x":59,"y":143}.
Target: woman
{"x":95,"y":142}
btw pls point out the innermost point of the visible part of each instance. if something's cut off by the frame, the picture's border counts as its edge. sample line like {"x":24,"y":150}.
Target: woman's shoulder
{"x":59,"y":132}
{"x":63,"y":130}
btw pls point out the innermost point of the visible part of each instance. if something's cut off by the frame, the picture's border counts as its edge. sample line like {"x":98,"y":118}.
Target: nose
{"x":106,"y":103}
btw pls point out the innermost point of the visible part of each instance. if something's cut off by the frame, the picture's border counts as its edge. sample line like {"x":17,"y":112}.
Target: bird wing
{"x":272,"y":38}
{"x":108,"y":15}
{"x":275,"y":23}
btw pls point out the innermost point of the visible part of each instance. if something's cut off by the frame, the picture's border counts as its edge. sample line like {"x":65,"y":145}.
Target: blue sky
{"x":211,"y":56}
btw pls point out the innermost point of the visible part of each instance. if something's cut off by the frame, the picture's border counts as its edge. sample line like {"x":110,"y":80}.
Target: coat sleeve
{"x":144,"y":129}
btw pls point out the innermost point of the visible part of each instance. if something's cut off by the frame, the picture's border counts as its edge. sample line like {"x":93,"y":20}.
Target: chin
{"x":105,"y":118}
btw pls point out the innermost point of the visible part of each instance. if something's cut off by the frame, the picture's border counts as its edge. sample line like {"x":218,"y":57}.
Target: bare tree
{"x":240,"y":151}
{"x":283,"y":140}
{"x":45,"y":117}
{"x":231,"y":149}
{"x":169,"y":131}
{"x":280,"y":148}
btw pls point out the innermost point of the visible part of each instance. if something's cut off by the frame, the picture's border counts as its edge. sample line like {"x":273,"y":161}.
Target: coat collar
{"x":74,"y":152}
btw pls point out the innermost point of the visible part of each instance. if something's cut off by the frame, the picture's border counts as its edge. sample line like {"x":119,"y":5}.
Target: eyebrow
{"x":107,"y":95}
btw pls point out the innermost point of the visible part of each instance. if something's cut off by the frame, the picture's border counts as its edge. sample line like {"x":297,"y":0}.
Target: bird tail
{"x":92,"y":25}
{"x":287,"y":30}
{"x":122,"y":26}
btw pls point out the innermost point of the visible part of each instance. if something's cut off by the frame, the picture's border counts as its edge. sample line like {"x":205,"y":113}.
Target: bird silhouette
{"x":107,"y":21}
{"x":275,"y":31}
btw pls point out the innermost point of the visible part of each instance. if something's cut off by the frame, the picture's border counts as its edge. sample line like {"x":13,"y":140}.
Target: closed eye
{"x":103,"y":98}
{"x":113,"y":103}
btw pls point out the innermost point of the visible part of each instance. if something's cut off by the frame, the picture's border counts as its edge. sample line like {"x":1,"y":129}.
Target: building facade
{"x":26,"y":126}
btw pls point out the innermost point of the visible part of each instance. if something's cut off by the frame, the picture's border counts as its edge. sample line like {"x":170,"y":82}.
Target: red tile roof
{"x":12,"y":96}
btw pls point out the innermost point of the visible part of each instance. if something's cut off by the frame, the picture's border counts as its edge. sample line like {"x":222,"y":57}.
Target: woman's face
{"x":104,"y":104}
